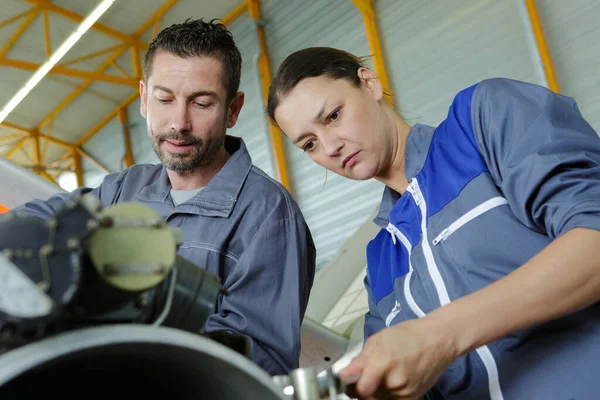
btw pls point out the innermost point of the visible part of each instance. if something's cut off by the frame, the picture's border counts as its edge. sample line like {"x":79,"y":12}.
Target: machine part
{"x":133,"y":249}
{"x":19,"y":296}
{"x":307,"y":384}
{"x":132,"y":361}
{"x":89,"y":266}
{"x":48,"y":254}
{"x":194,"y":299}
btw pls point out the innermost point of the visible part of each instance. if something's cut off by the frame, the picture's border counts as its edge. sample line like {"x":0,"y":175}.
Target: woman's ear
{"x":370,"y":82}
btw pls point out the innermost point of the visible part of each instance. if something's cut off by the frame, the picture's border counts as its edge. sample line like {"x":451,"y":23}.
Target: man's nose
{"x":180,"y":120}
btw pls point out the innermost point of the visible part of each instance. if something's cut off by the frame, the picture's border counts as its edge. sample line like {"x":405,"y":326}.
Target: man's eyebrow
{"x":163,"y":88}
{"x":199,"y":93}
{"x":202,"y":93}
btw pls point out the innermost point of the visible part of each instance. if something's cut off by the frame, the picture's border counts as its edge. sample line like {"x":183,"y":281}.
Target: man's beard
{"x":203,"y":153}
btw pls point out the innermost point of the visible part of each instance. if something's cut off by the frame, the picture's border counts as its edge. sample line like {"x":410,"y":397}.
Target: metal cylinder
{"x":305,"y":383}
{"x":132,"y":361}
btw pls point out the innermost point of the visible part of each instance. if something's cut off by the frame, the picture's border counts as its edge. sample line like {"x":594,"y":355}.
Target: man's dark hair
{"x":198,"y":38}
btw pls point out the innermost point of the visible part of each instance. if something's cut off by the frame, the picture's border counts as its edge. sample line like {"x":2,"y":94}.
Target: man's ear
{"x":235,"y":106}
{"x":143,"y":100}
{"x":370,"y":82}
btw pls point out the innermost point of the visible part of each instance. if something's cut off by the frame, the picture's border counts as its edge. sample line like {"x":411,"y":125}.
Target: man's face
{"x":184,"y":101}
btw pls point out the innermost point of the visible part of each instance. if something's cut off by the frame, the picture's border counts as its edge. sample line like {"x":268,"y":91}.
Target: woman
{"x":484,"y":280}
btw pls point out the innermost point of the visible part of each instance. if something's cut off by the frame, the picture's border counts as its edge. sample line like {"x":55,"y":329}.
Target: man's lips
{"x":350,"y":160}
{"x":178,"y":145}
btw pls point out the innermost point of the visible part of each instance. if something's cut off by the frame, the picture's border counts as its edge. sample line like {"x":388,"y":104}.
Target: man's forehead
{"x":206,"y":69}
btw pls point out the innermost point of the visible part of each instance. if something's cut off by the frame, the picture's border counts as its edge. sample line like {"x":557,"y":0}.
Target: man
{"x":237,"y":222}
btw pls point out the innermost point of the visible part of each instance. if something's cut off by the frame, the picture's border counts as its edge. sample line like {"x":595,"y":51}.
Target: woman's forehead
{"x":308,"y":102}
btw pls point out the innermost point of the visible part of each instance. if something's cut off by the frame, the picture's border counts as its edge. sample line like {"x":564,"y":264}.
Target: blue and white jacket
{"x":512,"y":167}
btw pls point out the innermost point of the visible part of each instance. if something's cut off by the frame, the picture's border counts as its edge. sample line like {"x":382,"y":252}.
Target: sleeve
{"x":541,"y":153}
{"x":373,"y":322}
{"x":45,"y":209}
{"x":268,"y":294}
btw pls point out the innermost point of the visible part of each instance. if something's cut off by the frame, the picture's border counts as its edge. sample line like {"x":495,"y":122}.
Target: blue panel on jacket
{"x":453,"y":159}
{"x":387,"y":261}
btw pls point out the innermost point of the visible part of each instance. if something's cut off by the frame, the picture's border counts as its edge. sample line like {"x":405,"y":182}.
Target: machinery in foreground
{"x":97,"y":302}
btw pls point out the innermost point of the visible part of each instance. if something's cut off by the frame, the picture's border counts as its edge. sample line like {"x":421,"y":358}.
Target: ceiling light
{"x":55,"y":57}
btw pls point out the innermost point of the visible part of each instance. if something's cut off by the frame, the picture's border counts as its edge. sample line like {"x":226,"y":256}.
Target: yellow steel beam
{"x":156,"y":28}
{"x":540,"y":40}
{"x":70,"y":72}
{"x":157,"y":16}
{"x":235,"y":13}
{"x":71,"y":84}
{"x":64,"y":157}
{"x":47,"y":39}
{"x":15,"y":18}
{"x":121,"y":70}
{"x":67,"y":166}
{"x":90,"y":56}
{"x":107,"y":30}
{"x":37,"y":150}
{"x":89,"y":134}
{"x":265,"y":79}
{"x":28,"y":155}
{"x":136,"y":62}
{"x":18,"y":146}
{"x":47,"y":176}
{"x":70,"y":165}
{"x":46,"y":143}
{"x":78,"y":167}
{"x":56,"y":141}
{"x":366,"y":9}
{"x":69,"y":99}
{"x":91,"y":159}
{"x":8,"y":138}
{"x":15,"y":127}
{"x":22,"y":131}
{"x":52,"y":169}
{"x":124,"y":120}
{"x":33,"y":13}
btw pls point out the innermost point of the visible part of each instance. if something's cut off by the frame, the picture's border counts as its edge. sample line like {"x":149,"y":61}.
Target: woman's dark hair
{"x":311,"y":62}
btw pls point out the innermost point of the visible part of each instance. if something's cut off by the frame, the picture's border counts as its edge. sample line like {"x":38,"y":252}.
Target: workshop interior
{"x":99,"y":295}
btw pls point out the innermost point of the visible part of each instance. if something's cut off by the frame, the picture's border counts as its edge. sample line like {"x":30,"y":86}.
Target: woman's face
{"x":340,"y":126}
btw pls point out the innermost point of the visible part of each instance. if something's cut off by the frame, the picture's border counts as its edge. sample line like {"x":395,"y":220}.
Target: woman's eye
{"x":333,"y":116}
{"x":308,"y":146}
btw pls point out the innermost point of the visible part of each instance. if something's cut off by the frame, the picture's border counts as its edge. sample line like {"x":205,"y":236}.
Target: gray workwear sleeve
{"x":45,"y":209}
{"x":373,"y":322}
{"x":268,"y":294}
{"x":541,"y":153}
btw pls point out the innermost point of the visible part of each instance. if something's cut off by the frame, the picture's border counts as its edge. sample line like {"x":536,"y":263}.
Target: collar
{"x":222,"y":192}
{"x":416,"y":150}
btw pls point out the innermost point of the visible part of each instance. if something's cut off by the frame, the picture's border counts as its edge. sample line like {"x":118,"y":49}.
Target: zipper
{"x":432,"y":267}
{"x":484,"y":352}
{"x":397,"y":235}
{"x":468,"y":217}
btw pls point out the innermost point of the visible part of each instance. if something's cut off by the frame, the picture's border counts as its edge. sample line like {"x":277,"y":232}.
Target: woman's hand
{"x":401,"y":362}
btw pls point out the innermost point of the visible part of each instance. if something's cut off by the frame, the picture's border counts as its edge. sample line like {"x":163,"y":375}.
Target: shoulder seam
{"x":278,"y":185}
